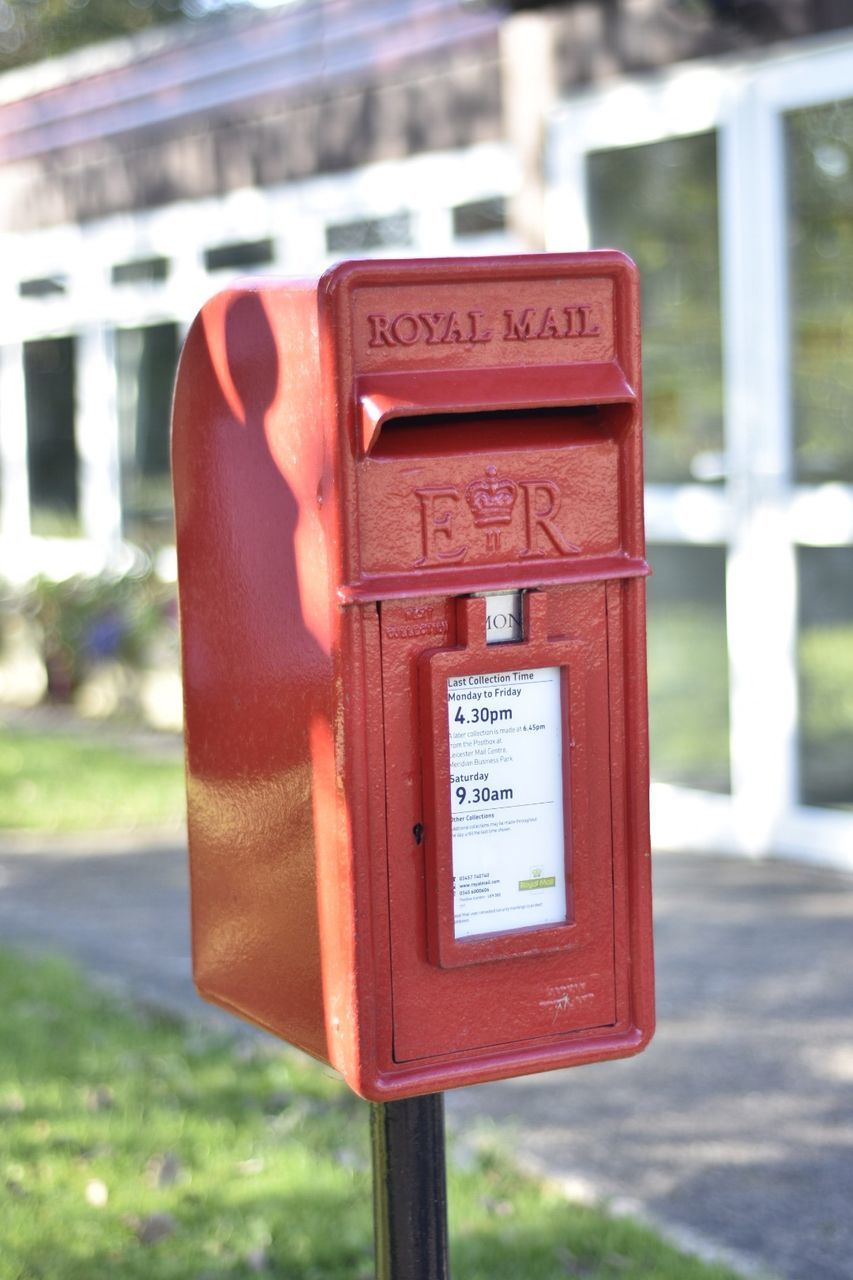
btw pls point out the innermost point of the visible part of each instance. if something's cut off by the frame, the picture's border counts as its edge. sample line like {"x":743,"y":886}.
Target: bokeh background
{"x":152,"y":152}
{"x":711,"y":139}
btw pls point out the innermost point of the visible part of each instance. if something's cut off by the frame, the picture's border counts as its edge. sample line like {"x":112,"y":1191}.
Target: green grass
{"x":51,"y":782}
{"x":249,"y":1158}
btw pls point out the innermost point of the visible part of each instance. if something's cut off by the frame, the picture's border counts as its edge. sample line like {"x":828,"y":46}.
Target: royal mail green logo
{"x":541,"y":882}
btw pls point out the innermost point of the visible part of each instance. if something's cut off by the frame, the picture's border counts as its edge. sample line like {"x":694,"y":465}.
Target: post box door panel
{"x":460,"y":994}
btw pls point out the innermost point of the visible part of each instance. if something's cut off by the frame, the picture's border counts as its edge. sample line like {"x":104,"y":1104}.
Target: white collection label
{"x":506,"y":794}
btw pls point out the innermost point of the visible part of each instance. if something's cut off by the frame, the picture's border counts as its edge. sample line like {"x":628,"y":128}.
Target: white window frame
{"x":293,"y":216}
{"x":761,"y":516}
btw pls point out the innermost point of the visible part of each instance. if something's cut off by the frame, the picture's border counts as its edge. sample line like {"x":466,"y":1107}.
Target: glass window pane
{"x":141,"y":271}
{"x":479,"y":217}
{"x":146,"y":360}
{"x":819,"y":152}
{"x":51,"y":447}
{"x":43,"y":287}
{"x":659,"y":203}
{"x":826,"y":675}
{"x":688,"y":667}
{"x":241,"y":256}
{"x":364,"y":234}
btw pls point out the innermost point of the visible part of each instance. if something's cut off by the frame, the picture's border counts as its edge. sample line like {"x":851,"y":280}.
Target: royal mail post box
{"x":411,"y":567}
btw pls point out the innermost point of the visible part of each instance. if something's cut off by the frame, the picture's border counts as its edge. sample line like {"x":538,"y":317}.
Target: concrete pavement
{"x":734,"y":1128}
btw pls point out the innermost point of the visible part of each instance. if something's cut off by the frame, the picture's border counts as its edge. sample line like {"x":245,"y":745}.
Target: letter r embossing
{"x":542,"y":517}
{"x":379,"y":335}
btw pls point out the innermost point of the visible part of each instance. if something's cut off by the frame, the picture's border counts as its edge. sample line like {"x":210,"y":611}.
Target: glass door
{"x":658,"y":202}
{"x":732,"y":187}
{"x":818,"y":145}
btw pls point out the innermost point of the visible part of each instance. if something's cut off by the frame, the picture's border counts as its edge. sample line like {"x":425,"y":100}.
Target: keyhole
{"x":418,"y":832}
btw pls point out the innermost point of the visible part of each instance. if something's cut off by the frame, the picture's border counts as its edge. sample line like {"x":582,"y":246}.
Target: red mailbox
{"x":410,"y":540}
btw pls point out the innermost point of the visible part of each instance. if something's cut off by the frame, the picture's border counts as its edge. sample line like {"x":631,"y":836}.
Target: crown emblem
{"x":491,"y":500}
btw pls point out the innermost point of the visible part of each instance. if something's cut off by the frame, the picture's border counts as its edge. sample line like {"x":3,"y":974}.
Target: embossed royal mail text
{"x":473,"y":327}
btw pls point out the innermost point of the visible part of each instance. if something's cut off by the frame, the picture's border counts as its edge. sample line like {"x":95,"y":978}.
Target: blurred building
{"x":712,"y":139}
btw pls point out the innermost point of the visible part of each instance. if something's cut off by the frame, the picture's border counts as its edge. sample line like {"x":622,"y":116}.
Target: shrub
{"x":83,"y":623}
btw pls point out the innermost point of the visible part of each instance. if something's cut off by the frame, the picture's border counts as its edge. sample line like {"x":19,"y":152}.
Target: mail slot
{"x":411,"y":569}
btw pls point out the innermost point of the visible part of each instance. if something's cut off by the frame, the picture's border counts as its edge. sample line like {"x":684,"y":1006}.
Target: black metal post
{"x":409,"y":1189}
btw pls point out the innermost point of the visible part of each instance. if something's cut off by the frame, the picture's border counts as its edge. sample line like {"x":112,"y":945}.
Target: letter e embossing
{"x":437,"y":525}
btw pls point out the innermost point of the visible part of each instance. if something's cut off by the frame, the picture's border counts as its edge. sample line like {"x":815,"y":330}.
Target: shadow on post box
{"x":418,"y":854}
